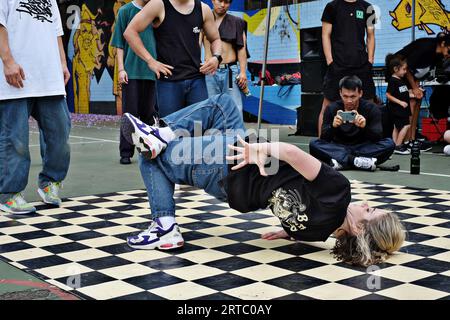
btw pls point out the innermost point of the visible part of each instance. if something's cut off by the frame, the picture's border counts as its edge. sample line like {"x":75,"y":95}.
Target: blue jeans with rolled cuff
{"x":198,"y":161}
{"x":53,"y":119}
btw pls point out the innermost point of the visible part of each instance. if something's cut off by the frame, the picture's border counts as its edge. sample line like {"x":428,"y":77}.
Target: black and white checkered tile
{"x":81,"y":248}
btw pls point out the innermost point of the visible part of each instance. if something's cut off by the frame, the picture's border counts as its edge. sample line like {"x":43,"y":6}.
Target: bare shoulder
{"x":154,"y":10}
{"x":155,"y":6}
{"x":207,"y":12}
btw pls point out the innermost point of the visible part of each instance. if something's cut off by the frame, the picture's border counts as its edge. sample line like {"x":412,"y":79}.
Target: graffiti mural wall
{"x":90,"y":23}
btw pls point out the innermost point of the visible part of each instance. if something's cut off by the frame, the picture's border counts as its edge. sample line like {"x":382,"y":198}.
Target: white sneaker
{"x":49,"y":194}
{"x":336,"y":165}
{"x":155,"y":237}
{"x":17,"y":205}
{"x":147,"y":139}
{"x":447,"y":150}
{"x":365,"y":163}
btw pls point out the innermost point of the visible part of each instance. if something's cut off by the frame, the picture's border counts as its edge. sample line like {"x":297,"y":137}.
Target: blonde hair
{"x":378,"y":239}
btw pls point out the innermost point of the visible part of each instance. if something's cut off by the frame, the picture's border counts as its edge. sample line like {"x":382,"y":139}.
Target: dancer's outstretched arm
{"x":257,"y":153}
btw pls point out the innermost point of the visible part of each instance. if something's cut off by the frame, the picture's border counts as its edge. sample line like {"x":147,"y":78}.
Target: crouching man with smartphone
{"x":352,"y":133}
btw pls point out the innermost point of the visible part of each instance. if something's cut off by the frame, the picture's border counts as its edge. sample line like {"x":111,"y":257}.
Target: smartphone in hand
{"x":347,"y":116}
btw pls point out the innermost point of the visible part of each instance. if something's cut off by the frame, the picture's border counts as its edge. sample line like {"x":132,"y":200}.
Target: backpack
{"x":268,"y":81}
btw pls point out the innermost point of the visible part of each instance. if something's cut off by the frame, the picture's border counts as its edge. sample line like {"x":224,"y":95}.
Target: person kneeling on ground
{"x":352,"y":132}
{"x":311,"y":199}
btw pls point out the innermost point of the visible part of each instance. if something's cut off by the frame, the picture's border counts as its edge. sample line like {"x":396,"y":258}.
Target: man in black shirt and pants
{"x":345,"y":24}
{"x":355,"y":143}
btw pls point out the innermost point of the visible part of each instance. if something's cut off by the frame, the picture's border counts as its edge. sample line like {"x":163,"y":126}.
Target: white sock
{"x":166,"y":222}
{"x":167,"y":134}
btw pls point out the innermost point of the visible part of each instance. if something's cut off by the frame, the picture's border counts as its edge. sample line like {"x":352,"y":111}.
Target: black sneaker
{"x":125,"y":160}
{"x":402,"y":149}
{"x":425,"y":146}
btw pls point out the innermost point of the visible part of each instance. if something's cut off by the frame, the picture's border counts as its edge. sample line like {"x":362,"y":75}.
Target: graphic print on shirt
{"x":39,"y":9}
{"x":403,"y":89}
{"x":288,"y":207}
{"x":360,"y":14}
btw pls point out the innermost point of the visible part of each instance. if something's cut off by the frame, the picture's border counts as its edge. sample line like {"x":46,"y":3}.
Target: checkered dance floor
{"x":81,"y":248}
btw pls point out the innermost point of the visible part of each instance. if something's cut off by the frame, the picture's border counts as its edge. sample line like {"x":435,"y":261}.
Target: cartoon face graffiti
{"x":288,"y":207}
{"x":427,"y":12}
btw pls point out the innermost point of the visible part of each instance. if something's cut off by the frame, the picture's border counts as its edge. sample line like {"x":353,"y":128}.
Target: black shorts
{"x":335,"y":73}
{"x":400,"y":122}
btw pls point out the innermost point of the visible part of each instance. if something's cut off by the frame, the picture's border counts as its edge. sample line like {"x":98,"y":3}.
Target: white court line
{"x":428,"y":174}
{"x":80,"y":137}
{"x":96,"y":140}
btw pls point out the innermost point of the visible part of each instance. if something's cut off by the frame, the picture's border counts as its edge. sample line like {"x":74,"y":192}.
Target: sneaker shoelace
{"x":149,"y":229}
{"x":156,"y":122}
{"x":18,"y":199}
{"x":54,"y":187}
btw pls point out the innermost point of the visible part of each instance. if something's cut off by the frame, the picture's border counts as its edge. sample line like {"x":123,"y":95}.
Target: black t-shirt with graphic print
{"x":308,"y":210}
{"x":398,"y":89}
{"x":421,"y":56}
{"x":350,"y":21}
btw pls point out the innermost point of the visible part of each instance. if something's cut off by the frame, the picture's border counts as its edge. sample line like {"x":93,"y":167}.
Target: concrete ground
{"x":95,"y":169}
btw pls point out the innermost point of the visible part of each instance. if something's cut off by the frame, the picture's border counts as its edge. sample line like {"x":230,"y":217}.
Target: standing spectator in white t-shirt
{"x":33,"y":74}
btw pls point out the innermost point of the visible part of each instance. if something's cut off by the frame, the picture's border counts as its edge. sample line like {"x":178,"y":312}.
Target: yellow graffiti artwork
{"x":88,"y":52}
{"x":428,"y":12}
{"x":257,"y":22}
{"x":112,"y":51}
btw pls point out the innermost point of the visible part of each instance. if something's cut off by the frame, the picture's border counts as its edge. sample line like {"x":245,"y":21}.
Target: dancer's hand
{"x":337,"y":121}
{"x":242,"y":82}
{"x":273,"y":235}
{"x":254,"y":153}
{"x":158,"y":68}
{"x":14,"y":74}
{"x":210,"y":66}
{"x":66,"y":74}
{"x":123,"y":77}
{"x":418,"y":93}
{"x":360,"y":121}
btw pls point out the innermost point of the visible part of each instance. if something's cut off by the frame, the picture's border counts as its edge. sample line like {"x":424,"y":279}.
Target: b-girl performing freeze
{"x":311,"y":199}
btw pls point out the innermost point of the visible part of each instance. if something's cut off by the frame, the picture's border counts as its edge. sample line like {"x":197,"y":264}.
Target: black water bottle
{"x":415,"y":158}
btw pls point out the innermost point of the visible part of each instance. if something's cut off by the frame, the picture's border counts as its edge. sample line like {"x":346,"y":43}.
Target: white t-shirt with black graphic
{"x":33,"y":28}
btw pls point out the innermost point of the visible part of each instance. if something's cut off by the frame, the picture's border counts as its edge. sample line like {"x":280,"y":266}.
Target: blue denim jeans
{"x":175,"y":95}
{"x":53,"y":118}
{"x":219,"y":83}
{"x":325,"y":151}
{"x":194,"y":160}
